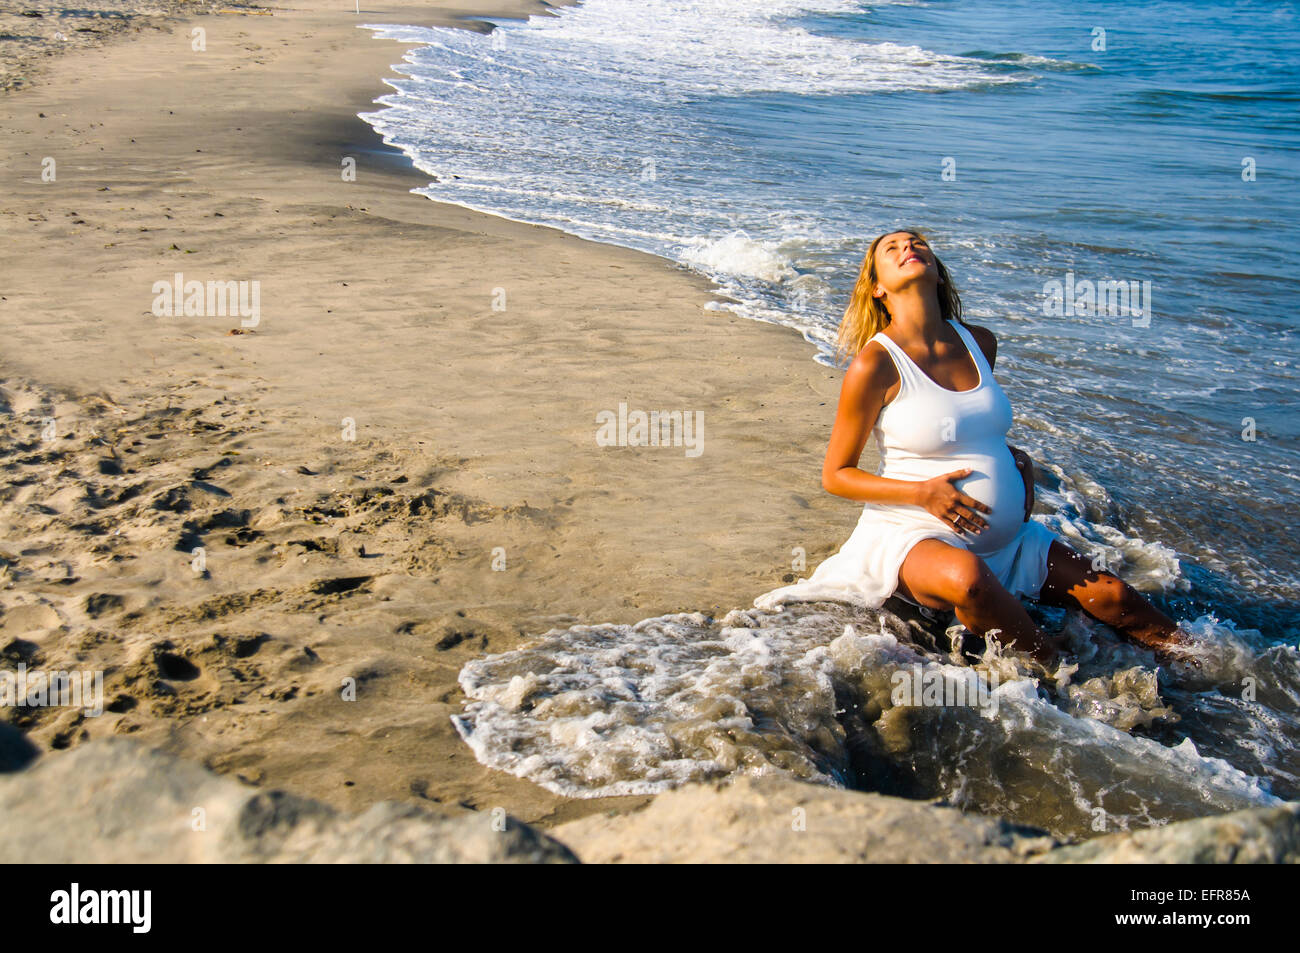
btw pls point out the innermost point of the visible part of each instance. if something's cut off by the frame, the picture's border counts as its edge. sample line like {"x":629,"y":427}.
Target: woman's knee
{"x":967,"y":579}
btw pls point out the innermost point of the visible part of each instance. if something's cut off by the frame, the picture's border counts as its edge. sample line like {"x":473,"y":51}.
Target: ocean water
{"x":1040,"y":145}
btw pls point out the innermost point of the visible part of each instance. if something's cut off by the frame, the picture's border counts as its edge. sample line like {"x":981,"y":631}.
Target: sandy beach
{"x":393,"y":469}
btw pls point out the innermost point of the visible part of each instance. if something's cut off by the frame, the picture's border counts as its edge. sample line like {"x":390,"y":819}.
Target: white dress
{"x":924,"y":431}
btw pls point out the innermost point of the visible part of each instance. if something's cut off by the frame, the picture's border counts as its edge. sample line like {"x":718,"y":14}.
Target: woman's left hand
{"x":1026,"y":468}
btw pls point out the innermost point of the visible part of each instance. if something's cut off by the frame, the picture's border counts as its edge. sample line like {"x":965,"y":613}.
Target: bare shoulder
{"x":986,"y":339}
{"x":873,"y":368}
{"x":871,"y":378}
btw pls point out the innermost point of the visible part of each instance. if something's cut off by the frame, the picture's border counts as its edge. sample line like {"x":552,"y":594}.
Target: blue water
{"x":764,"y":145}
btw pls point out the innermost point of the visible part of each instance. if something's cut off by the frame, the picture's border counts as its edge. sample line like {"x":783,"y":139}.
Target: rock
{"x":758,"y":820}
{"x":1261,"y":835}
{"x":115,"y":801}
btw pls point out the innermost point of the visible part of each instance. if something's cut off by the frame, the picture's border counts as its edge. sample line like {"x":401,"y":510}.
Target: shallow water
{"x":812,"y":691}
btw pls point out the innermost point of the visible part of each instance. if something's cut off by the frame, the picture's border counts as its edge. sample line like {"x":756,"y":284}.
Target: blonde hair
{"x":866,"y":315}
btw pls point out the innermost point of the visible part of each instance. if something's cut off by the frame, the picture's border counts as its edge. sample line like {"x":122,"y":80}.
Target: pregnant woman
{"x":946,"y":523}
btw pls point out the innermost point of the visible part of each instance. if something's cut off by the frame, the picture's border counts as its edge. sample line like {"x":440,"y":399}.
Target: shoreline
{"x":327,"y":558}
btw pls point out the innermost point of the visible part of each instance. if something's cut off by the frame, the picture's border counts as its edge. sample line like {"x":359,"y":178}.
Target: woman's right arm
{"x":862,"y":396}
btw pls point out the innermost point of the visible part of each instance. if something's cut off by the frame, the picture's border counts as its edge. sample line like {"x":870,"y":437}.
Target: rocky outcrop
{"x":114,"y":801}
{"x":775,"y":820}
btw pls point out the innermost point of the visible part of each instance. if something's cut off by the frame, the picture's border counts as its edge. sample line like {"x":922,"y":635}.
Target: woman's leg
{"x":946,"y":577}
{"x":1073,"y":583}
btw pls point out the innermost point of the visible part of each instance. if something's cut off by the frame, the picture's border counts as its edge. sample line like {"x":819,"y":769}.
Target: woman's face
{"x":901,"y":259}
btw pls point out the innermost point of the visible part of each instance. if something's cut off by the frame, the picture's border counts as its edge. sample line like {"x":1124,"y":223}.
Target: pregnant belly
{"x":994,"y":481}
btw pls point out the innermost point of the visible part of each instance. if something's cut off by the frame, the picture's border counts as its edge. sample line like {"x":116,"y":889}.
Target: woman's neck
{"x":914,"y":315}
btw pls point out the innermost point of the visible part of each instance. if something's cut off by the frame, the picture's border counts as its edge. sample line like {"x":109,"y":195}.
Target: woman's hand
{"x":938,"y":497}
{"x":1026,"y":468}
